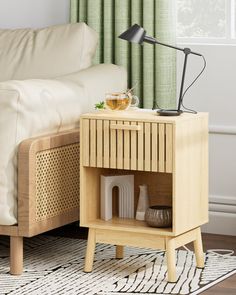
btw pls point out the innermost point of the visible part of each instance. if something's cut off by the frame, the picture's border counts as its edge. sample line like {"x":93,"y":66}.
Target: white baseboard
{"x":222,"y":215}
{"x":222,"y":129}
{"x":227,"y":200}
{"x":222,"y":209}
{"x":221,"y":223}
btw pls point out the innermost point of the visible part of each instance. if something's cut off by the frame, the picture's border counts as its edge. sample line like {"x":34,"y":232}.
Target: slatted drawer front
{"x":128,"y":145}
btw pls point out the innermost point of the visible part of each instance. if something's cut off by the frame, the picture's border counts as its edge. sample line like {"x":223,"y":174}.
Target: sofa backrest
{"x":46,"y":53}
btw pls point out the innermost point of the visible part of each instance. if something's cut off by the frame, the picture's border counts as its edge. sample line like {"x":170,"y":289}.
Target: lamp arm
{"x":153,"y":40}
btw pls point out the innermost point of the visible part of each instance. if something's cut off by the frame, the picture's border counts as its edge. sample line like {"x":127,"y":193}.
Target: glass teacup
{"x":120,"y":101}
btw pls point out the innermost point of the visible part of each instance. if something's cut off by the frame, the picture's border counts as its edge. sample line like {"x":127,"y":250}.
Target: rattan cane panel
{"x":57,"y":181}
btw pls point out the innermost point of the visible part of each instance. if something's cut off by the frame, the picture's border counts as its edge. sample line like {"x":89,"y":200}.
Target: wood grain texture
{"x":134,"y":148}
{"x":16,"y":255}
{"x":182,"y":152}
{"x":140,"y":147}
{"x":170,"y":257}
{"x":99,"y":142}
{"x":159,"y":190}
{"x":198,"y":249}
{"x":127,"y":145}
{"x":177,"y":150}
{"x":90,"y":251}
{"x":93,"y":145}
{"x":120,"y":147}
{"x":106,"y":144}
{"x":125,"y":126}
{"x":140,"y":116}
{"x":135,"y":239}
{"x":190,"y":177}
{"x":9,"y":230}
{"x":169,"y":148}
{"x":90,"y":207}
{"x":85,"y":141}
{"x":147,"y":147}
{"x":113,"y":148}
{"x":161,"y":141}
{"x":119,"y":252}
{"x":130,"y":226}
{"x":155,"y":148}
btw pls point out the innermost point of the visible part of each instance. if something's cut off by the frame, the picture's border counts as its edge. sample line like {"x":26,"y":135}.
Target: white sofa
{"x":46,"y":81}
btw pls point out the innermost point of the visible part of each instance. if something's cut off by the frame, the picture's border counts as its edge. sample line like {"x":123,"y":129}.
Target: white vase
{"x":143,"y":202}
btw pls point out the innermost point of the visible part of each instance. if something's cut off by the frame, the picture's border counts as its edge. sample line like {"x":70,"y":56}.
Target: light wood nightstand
{"x":170,"y":155}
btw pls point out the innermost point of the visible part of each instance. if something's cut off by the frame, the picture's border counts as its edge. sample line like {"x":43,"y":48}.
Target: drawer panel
{"x":144,"y":146}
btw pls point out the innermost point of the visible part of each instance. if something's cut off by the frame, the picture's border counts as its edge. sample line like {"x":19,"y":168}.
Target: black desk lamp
{"x":137,"y":34}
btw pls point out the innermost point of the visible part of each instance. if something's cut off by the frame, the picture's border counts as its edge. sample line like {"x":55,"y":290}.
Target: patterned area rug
{"x":54,"y":265}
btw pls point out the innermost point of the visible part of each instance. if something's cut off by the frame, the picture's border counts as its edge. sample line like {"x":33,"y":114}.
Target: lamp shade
{"x":135,"y":34}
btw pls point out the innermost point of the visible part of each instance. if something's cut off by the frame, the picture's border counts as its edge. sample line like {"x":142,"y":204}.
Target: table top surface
{"x":140,"y":115}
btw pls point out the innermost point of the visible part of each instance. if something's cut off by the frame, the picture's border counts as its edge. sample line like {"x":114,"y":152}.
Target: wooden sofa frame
{"x":48,"y":189}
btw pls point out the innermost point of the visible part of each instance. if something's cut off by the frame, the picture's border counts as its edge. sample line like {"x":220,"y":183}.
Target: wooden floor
{"x":210,"y":241}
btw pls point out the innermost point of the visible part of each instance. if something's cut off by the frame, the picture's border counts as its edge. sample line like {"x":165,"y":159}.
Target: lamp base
{"x":169,"y":112}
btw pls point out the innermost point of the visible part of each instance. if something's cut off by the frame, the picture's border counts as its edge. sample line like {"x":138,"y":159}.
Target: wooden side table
{"x":170,"y":155}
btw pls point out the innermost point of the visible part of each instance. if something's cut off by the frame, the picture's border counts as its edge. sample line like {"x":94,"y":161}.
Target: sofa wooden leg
{"x":119,"y":252}
{"x":16,"y":255}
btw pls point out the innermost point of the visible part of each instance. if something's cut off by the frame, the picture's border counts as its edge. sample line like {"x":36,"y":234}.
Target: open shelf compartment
{"x":159,"y":192}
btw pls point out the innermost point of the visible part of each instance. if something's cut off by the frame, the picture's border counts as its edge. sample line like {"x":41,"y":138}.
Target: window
{"x":206,"y":21}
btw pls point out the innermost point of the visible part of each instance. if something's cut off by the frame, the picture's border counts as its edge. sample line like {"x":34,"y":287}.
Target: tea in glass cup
{"x":118,"y":101}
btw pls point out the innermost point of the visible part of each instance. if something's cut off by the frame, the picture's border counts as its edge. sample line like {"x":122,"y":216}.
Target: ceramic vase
{"x":159,"y":216}
{"x":143,"y":202}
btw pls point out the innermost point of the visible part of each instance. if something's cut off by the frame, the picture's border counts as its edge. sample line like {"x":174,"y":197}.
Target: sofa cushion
{"x":36,"y":107}
{"x":46,"y":53}
{"x":99,"y":80}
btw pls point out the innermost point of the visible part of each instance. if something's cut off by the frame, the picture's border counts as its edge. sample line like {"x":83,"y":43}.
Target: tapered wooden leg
{"x":199,"y":250}
{"x":170,"y":255}
{"x":119,"y":252}
{"x":91,"y":244}
{"x":16,"y":255}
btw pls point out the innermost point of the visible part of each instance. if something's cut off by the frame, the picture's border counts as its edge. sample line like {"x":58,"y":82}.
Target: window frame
{"x":229,"y":39}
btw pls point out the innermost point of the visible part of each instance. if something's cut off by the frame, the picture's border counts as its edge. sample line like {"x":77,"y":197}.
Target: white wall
{"x":33,"y":13}
{"x":215,"y":93}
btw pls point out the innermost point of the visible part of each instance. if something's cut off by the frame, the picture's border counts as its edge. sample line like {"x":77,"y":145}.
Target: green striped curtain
{"x":153,"y":67}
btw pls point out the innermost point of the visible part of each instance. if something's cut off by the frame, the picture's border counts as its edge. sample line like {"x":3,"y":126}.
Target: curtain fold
{"x":152,"y":67}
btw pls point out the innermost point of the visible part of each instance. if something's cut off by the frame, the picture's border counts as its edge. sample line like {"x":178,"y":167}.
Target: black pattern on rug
{"x":54,"y":265}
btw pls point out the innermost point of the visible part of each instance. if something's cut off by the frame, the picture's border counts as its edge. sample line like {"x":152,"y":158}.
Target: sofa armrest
{"x":48,"y":182}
